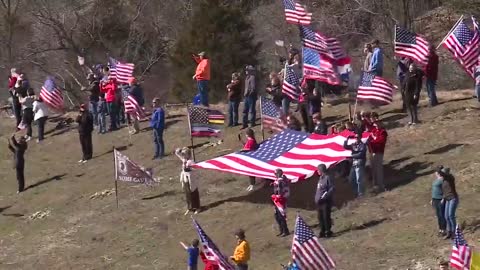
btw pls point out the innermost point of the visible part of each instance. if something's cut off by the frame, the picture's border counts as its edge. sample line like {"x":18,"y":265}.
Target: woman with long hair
{"x":189,"y":183}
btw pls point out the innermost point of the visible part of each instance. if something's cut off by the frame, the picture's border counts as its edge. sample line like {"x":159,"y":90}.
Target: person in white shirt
{"x":189,"y":183}
{"x":40,"y":110}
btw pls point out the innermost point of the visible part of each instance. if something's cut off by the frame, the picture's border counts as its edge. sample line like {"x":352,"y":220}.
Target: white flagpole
{"x":451,"y":30}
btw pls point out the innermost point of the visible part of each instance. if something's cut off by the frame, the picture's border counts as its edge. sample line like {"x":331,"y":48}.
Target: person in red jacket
{"x":209,"y":265}
{"x":377,"y":143}
{"x":431,"y":73}
{"x":109,"y":88}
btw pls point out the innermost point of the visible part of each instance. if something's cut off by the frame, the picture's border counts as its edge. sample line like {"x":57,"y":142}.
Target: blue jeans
{"x":93,"y":107}
{"x":102,"y":122}
{"x":432,"y":95}
{"x":112,"y":111}
{"x":158,"y":141}
{"x":356,"y":178}
{"x":477,"y":92}
{"x":285,"y":105}
{"x":233,"y":113}
{"x":249,"y":106}
{"x":450,"y":209}
{"x":203,"y":91}
{"x":440,"y":213}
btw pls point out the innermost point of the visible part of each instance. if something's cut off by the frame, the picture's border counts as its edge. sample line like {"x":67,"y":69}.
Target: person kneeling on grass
{"x":189,"y":184}
{"x":250,"y":145}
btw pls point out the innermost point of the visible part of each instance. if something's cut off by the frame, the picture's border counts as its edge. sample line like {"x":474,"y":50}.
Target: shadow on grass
{"x":161,"y":195}
{"x":48,"y":180}
{"x":120,"y":148}
{"x":4,"y":208}
{"x":175,"y":116}
{"x":444,"y":149}
{"x":363,"y":226}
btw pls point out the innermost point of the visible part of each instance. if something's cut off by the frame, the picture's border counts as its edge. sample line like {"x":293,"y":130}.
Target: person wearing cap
{"x":18,"y":149}
{"x":157,"y":123}
{"x":450,"y":198}
{"x":376,"y":64}
{"x":136,"y":91}
{"x":359,"y":156}
{"x":324,"y":201}
{"x":281,"y":192}
{"x":250,"y":97}
{"x":85,"y":129}
{"x":241,"y":255}
{"x":202,"y":75}
{"x":431,"y":73}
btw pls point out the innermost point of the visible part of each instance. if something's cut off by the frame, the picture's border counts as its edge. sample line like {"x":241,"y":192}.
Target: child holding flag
{"x":281,"y":192}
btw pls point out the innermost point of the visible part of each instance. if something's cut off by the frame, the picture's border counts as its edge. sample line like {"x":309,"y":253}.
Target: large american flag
{"x":461,"y":253}
{"x":321,"y":43}
{"x":133,"y":108}
{"x":205,"y":122}
{"x":411,"y":45}
{"x":296,"y":13}
{"x":307,"y":252}
{"x":297,"y":153}
{"x":120,"y":71}
{"x":375,"y":88}
{"x":51,"y":94}
{"x":291,"y":83}
{"x":464,"y":45}
{"x":272,"y":116}
{"x":318,"y":67}
{"x":212,"y":253}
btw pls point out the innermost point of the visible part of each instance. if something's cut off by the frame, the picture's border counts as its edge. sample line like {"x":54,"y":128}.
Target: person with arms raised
{"x":18,"y":149}
{"x":202,"y":76}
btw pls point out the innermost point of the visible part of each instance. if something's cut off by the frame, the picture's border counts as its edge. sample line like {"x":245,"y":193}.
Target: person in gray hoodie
{"x":250,"y":95}
{"x":324,"y":201}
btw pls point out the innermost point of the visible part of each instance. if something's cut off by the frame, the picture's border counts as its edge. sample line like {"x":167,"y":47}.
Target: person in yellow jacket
{"x":241,"y":255}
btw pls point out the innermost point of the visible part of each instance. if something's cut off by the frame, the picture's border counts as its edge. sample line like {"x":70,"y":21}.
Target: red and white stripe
{"x":299,"y":15}
{"x":325,"y":73}
{"x":298,"y":163}
{"x":308,"y":255}
{"x":133,"y":108}
{"x":123,"y":72}
{"x":461,"y":257}
{"x":273,"y":123}
{"x":419,"y":52}
{"x":290,"y":90}
{"x":381,"y":90}
{"x":53,"y":98}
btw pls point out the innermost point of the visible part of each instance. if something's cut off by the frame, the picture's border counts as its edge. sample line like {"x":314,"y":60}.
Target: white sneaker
{"x":28,"y":138}
{"x":80,"y":161}
{"x":84,"y":161}
{"x":186,"y":212}
{"x":250,"y":188}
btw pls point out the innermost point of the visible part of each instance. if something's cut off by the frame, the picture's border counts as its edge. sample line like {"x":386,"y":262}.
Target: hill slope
{"x":393,"y":230}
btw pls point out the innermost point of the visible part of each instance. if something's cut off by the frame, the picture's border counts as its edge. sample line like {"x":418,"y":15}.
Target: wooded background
{"x":44,"y":37}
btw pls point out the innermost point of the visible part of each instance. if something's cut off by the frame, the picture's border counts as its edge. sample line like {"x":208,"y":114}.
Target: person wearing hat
{"x":359,"y":156}
{"x":376,"y":64}
{"x":250,"y":97}
{"x":136,"y":91}
{"x":281,"y":192}
{"x":241,"y":255}
{"x":324,"y":201}
{"x":85,"y":129}
{"x":202,"y":76}
{"x":18,"y":149}
{"x":157,"y":123}
{"x":234,"y":90}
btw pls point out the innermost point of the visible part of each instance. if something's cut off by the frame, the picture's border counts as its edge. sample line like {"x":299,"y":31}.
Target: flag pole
{"x":349,"y":112}
{"x":129,"y":133}
{"x":190,"y":130}
{"x":115,"y":172}
{"x":261,"y":120}
{"x":451,"y":30}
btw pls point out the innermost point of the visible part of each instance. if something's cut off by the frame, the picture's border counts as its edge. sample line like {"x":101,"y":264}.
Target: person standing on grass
{"x":450,"y":198}
{"x":234,"y":96}
{"x":109,"y":88}
{"x":93,"y":97}
{"x":476,"y":75}
{"x":241,"y":255}
{"x":274,"y":89}
{"x":193,"y":252}
{"x":250,"y":96}
{"x":85,"y":129}
{"x":411,"y":89}
{"x":376,"y":64}
{"x":281,"y":192}
{"x":437,"y":202}
{"x":18,"y":149}
{"x":359,"y":156}
{"x":189,"y":184}
{"x":16,"y":106}
{"x":377,"y":147}
{"x":157,"y":123}
{"x":324,"y":201}
{"x":202,"y":76}
{"x":431,"y":73}
{"x":136,"y":91}
{"x":402,"y":70}
{"x":41,"y":115}
{"x":102,"y":115}
{"x":27,"y":114}
{"x":367,"y":50}
{"x":250,"y":145}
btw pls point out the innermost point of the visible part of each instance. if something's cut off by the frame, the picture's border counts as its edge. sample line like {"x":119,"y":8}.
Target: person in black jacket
{"x":293,"y":123}
{"x":324,"y":201}
{"x":85,"y":128}
{"x":321,"y":127}
{"x":359,"y":157}
{"x":18,"y":149}
{"x":411,"y":91}
{"x":94,"y":96}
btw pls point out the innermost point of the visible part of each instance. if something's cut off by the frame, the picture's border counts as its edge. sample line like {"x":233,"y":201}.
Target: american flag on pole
{"x":319,"y":67}
{"x":464,"y":45}
{"x":272,"y":116}
{"x":412,"y":45}
{"x":120,"y":71}
{"x":321,"y":43}
{"x":296,"y":153}
{"x":51,"y":94}
{"x":461,"y":253}
{"x":133,"y":108}
{"x":307,"y":252}
{"x":212,"y":253}
{"x":296,"y":13}
{"x":291,"y":84}
{"x":375,"y":88}
{"x":205,"y":122}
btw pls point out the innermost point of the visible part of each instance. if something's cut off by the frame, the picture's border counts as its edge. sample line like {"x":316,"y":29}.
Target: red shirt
{"x":378,"y":140}
{"x":209,"y":265}
{"x":250,"y":145}
{"x":109,"y":88}
{"x":11,"y":81}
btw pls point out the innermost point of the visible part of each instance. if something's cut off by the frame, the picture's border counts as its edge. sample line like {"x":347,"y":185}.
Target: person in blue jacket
{"x":157,"y":123}
{"x":376,"y":64}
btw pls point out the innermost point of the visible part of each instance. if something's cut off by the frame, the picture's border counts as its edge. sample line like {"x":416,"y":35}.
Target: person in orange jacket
{"x":202,"y":75}
{"x":241,"y":255}
{"x":109,"y":88}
